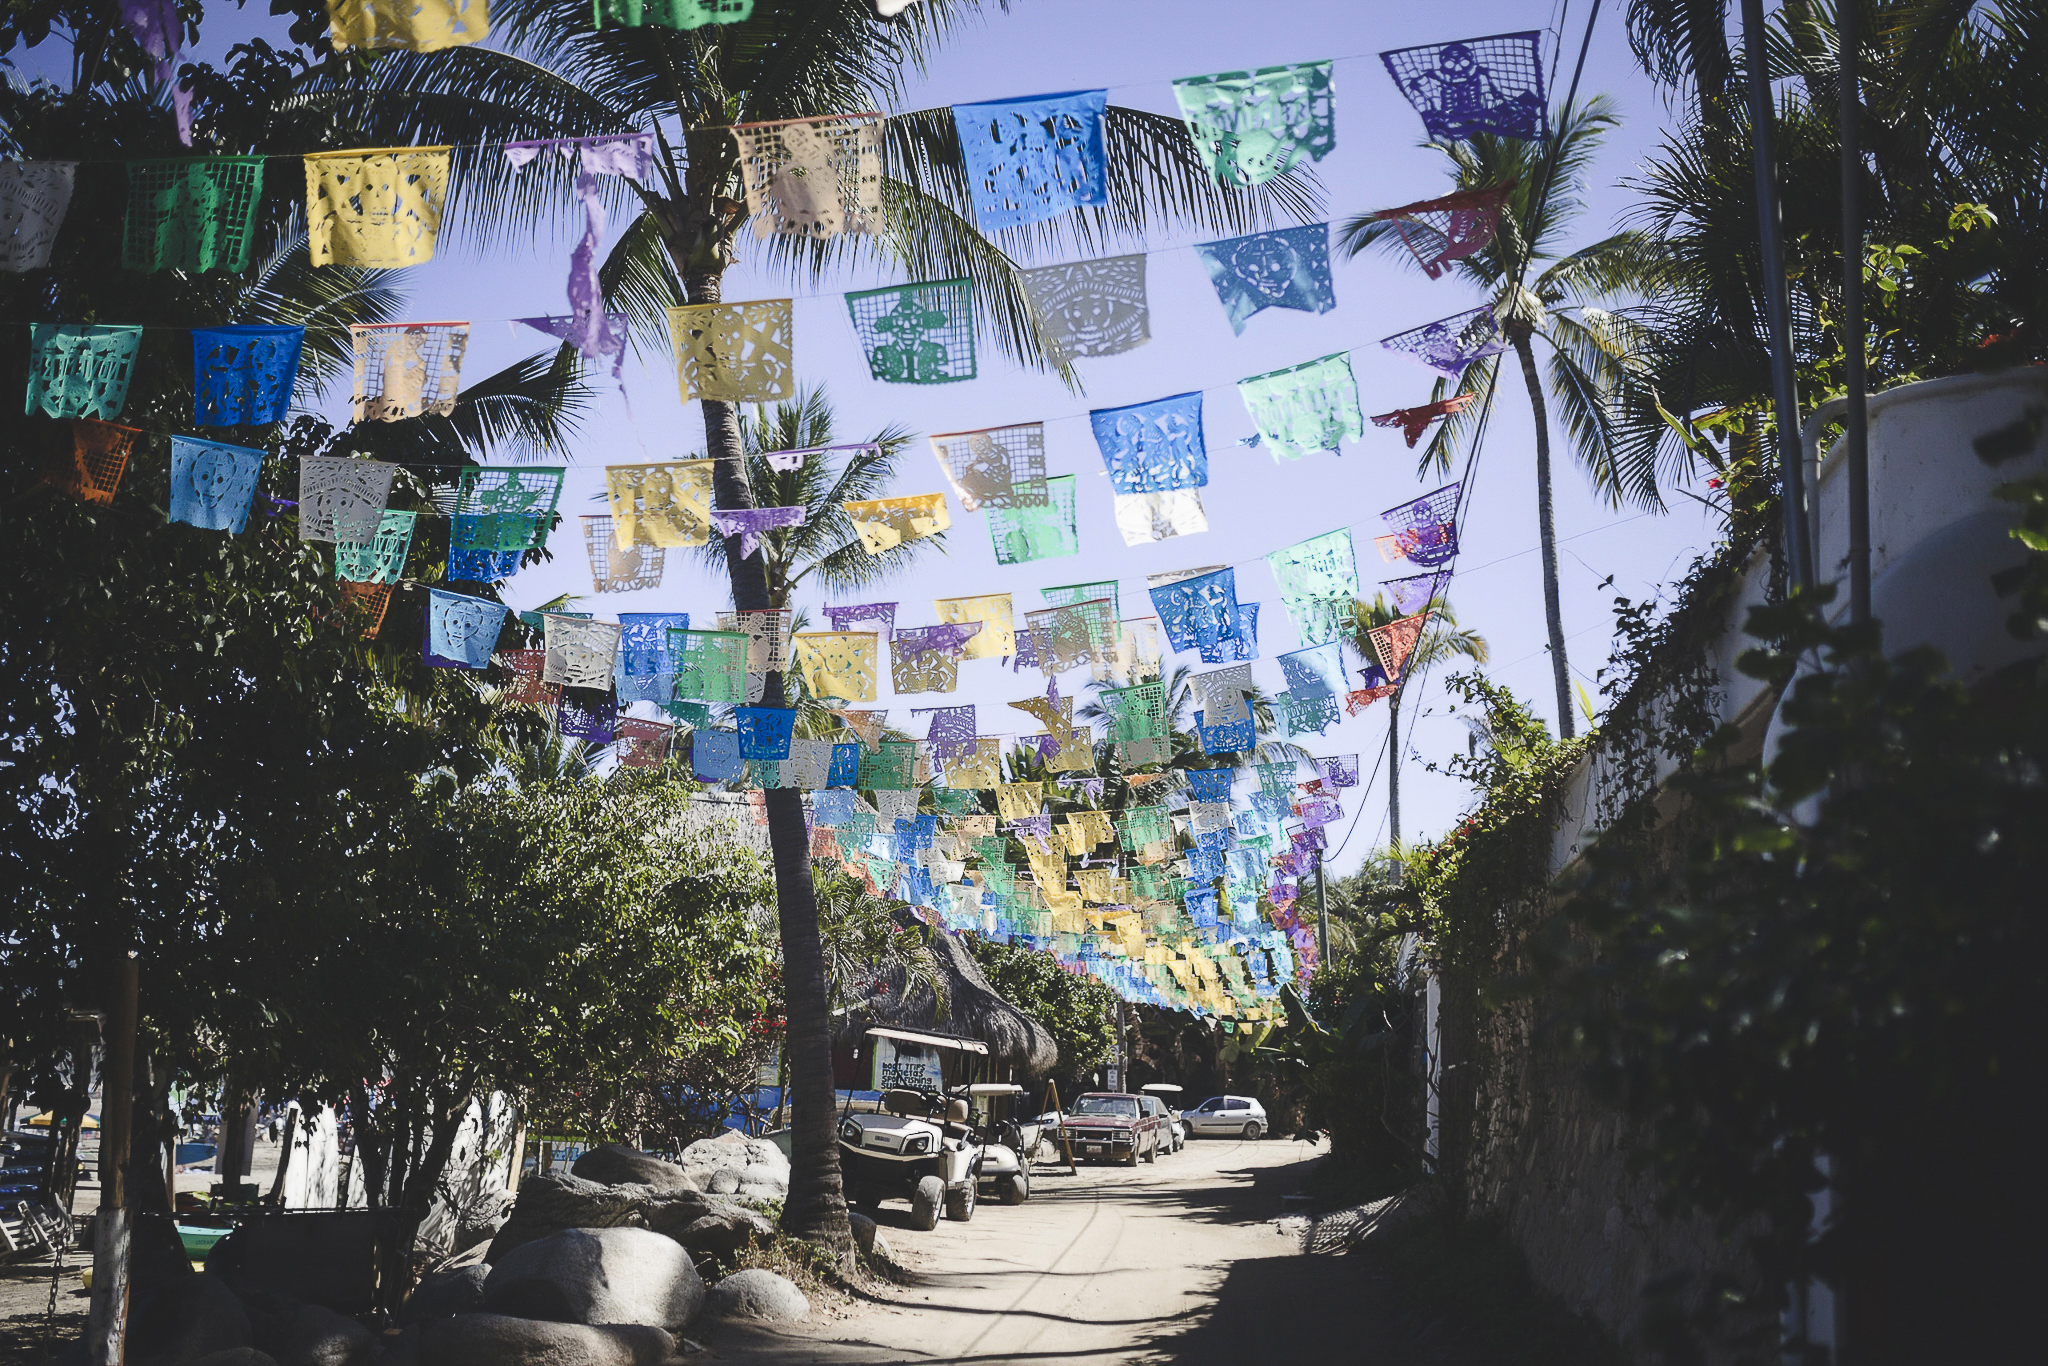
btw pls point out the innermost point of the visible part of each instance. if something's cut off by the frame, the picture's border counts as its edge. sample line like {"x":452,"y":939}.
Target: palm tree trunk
{"x":816,"y":1207}
{"x":1394,"y":779}
{"x":1560,"y":668}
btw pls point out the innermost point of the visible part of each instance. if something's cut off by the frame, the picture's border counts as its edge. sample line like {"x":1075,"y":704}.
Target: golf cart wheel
{"x":960,"y":1203}
{"x":1014,"y":1189}
{"x":1252,"y":1130}
{"x":925,"y":1202}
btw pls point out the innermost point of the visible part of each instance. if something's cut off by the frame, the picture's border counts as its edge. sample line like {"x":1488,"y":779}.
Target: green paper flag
{"x":191,"y":214}
{"x":919,"y":333}
{"x":1307,"y":407}
{"x":1042,"y":533}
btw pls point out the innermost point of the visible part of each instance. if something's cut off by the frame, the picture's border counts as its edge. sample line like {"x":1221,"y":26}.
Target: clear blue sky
{"x":1135,"y":48}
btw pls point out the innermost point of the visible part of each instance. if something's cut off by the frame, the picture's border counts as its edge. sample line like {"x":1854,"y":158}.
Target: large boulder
{"x":316,"y":1336}
{"x":598,"y":1275}
{"x":758,"y":1294}
{"x":235,"y":1356}
{"x":548,"y":1204}
{"x":184,"y":1319}
{"x":733,"y":1164}
{"x":863,"y":1230}
{"x":500,"y":1340}
{"x":482,"y":1220}
{"x":615,"y":1164}
{"x":446,"y":1293}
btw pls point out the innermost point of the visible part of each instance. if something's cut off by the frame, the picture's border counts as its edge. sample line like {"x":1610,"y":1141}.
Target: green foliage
{"x":1079,"y":1011}
{"x":863,"y":938}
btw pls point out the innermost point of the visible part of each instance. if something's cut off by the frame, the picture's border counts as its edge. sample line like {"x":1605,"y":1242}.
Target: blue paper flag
{"x":1199,"y":611}
{"x":212,"y":483}
{"x":1209,"y":784}
{"x":243,"y":376}
{"x":835,"y":808}
{"x":1242,"y":646}
{"x":845,"y":768}
{"x":461,"y":630}
{"x":646,"y":671}
{"x":468,"y":564}
{"x":1033,"y":159}
{"x":1234,"y":737}
{"x":1315,"y":672}
{"x":1289,"y":268}
{"x":765,"y":732}
{"x":1153,"y":447}
{"x":1202,"y":909}
{"x":715,"y":756}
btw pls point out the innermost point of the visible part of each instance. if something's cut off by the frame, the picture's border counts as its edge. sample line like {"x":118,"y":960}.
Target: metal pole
{"x":107,"y":1321}
{"x":1777,"y":303}
{"x":1856,"y":421}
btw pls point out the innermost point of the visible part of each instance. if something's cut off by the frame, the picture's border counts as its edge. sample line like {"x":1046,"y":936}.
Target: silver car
{"x":1237,"y":1116}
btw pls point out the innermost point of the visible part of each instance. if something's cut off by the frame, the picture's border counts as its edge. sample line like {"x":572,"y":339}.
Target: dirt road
{"x":1176,"y":1262}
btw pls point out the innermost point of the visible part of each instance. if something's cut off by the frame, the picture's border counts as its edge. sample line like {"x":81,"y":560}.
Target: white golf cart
{"x":923,"y":1149}
{"x":1169,"y":1096}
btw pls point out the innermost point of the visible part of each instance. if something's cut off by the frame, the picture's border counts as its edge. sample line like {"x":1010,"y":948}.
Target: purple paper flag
{"x":952,"y":732}
{"x":949,"y":638}
{"x":1417,"y":591}
{"x":597,"y":335}
{"x":1427,"y":528}
{"x":154,"y":23}
{"x":1450,"y":344}
{"x":844,"y":618}
{"x":1336,"y":770}
{"x":750,"y":523}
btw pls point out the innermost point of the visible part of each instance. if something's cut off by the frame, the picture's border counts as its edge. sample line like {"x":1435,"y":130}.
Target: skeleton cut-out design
{"x":243,"y":375}
{"x":997,"y":638}
{"x":885,"y":523}
{"x":342,"y":499}
{"x":1089,"y":308}
{"x":379,"y":209}
{"x":813,"y":177}
{"x":191,"y":214}
{"x":1417,"y":591}
{"x":1037,"y":533}
{"x":765,"y":732}
{"x":710,"y":666}
{"x":767,"y":633}
{"x":1450,"y":344}
{"x":737,"y":353}
{"x":1337,"y":770}
{"x":1146,"y":517}
{"x":667,"y":504}
{"x":1315,"y":672}
{"x":407,"y":369}
{"x":925,"y":659}
{"x":1254,"y":125}
{"x":646,"y":672}
{"x":1425,"y":531}
{"x":1155,"y":446}
{"x":616,"y":568}
{"x":1199,"y":608}
{"x":996,"y":467}
{"x":511,"y":506}
{"x":1031,"y":159}
{"x":1480,"y":85}
{"x":1067,"y":637}
{"x":1288,"y":268}
{"x":409,"y":25}
{"x":918,"y":333}
{"x":581,"y":653}
{"x":840,"y":665}
{"x":212,"y":484}
{"x":461,"y":631}
{"x":80,"y":370}
{"x":34,"y":196}
{"x":1222,"y":693}
{"x":381,"y":559}
{"x":1308,"y":407}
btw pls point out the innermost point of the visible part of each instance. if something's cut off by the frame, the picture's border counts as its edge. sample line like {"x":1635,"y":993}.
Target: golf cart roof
{"x":951,"y":1041}
{"x":995,"y":1088}
{"x":1160,"y":1086}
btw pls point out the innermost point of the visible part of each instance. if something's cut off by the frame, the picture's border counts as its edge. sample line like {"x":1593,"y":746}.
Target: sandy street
{"x":1178,"y":1261}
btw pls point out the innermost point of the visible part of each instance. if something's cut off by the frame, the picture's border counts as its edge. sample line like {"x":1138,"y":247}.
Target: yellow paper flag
{"x":885,"y":523}
{"x":379,"y":208}
{"x":667,"y":504}
{"x":997,"y":638}
{"x":415,"y":26}
{"x":737,"y":353}
{"x":838,"y":664}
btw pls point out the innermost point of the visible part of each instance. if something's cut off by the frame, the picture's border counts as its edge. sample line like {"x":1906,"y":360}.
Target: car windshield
{"x":1115,"y":1107}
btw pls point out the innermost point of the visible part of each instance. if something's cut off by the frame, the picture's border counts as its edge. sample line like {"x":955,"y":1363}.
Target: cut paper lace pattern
{"x":1318,"y":580}
{"x":1450,"y":344}
{"x":993,"y":612}
{"x":1230,"y":737}
{"x":342,"y":499}
{"x":667,"y":505}
{"x":599,"y":339}
{"x":1067,"y":637}
{"x":34,"y":196}
{"x":1417,"y":591}
{"x":407,"y":369}
{"x":362,"y":607}
{"x":840,"y":665}
{"x":243,"y":375}
{"x":1254,"y":125}
{"x":918,"y":333}
{"x":91,"y":470}
{"x":1089,"y":308}
{"x":1307,"y":715}
{"x":1440,"y":231}
{"x":79,"y":370}
{"x":1223,"y":693}
{"x":767,"y":633}
{"x":1246,"y":643}
{"x":461,"y":631}
{"x":926,"y":658}
{"x":995,"y":467}
{"x":581,"y":653}
{"x":620,"y":569}
{"x":1308,"y":407}
{"x":522,"y":686}
{"x":509,"y":507}
{"x":1028,"y":160}
{"x":1413,"y":422}
{"x":1425,"y":530}
{"x":1209,"y":784}
{"x":715,"y":756}
{"x":677,"y":14}
{"x":1199,"y":610}
{"x":751,"y":525}
{"x":765,"y":732}
{"x":1066,"y":595}
{"x":645,"y":670}
{"x":711,"y":666}
{"x":409,"y":25}
{"x":1155,"y":446}
{"x":1395,"y":641}
{"x":642,"y":744}
{"x":844,"y":618}
{"x":1146,"y":517}
{"x":467,"y":563}
{"x":191,"y":214}
{"x":885,"y":523}
{"x":212,"y":484}
{"x":734,"y":353}
{"x":1289,"y":268}
{"x":381,"y":559}
{"x":376,"y":209}
{"x":813,"y":177}
{"x":591,"y":718}
{"x":952,"y":730}
{"x":1480,"y":85}
{"x":1037,"y":533}
{"x":1337,"y":770}
{"x":1315,"y":672}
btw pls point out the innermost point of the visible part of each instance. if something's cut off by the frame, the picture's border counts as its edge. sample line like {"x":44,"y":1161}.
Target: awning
{"x":930,"y":1040}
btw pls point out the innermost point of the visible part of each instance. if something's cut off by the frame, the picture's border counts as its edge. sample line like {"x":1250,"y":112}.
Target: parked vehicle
{"x":1117,"y":1125}
{"x":1238,"y":1116}
{"x":1168,"y":1095}
{"x":1004,"y":1144}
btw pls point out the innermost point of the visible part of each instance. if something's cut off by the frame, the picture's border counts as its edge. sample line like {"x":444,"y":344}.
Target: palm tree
{"x":1441,"y":639}
{"x":554,"y":76}
{"x":1590,"y":348}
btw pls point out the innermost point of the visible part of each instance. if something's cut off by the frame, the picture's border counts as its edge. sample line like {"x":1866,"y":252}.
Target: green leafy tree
{"x":1079,"y":1011}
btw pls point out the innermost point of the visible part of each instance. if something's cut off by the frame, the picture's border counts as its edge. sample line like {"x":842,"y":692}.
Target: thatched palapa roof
{"x":973,"y":1009}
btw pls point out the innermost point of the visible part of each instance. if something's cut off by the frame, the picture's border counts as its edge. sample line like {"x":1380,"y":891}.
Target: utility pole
{"x":107,"y":1321}
{"x":1856,"y":418}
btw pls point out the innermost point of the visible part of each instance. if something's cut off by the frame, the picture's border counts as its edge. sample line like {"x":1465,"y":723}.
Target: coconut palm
{"x":1589,"y":348}
{"x":553,"y":75}
{"x":1441,"y":639}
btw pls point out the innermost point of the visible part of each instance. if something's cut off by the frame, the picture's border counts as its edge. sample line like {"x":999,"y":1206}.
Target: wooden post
{"x":107,"y":1323}
{"x":284,"y":1157}
{"x":1052,"y":1103}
